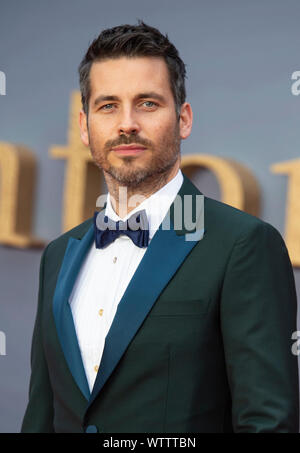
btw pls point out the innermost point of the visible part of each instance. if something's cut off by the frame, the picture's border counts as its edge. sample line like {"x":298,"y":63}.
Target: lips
{"x":129,"y":149}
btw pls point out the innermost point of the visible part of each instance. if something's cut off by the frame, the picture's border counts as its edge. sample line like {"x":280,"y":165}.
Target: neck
{"x":126,"y":198}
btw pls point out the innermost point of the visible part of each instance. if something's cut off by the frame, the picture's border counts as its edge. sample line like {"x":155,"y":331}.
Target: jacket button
{"x":91,"y":429}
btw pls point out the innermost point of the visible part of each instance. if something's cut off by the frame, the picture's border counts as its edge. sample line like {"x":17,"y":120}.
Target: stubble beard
{"x":155,"y":171}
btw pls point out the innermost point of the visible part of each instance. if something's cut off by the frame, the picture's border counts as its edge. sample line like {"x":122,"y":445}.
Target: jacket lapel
{"x":75,"y":253}
{"x":176,"y":243}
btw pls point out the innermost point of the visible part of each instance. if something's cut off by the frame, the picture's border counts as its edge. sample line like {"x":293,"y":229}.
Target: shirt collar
{"x":156,"y":205}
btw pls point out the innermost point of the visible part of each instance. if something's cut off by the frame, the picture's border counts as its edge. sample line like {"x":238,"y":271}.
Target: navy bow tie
{"x":106,"y":230}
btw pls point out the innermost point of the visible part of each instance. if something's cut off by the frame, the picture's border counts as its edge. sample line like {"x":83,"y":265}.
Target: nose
{"x":128,"y":123}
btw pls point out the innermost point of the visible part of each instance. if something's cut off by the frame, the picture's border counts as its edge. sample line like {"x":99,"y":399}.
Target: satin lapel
{"x":75,"y":253}
{"x":136,"y":301}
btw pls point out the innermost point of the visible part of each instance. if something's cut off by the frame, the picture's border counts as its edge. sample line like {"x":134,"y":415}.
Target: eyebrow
{"x":150,"y":94}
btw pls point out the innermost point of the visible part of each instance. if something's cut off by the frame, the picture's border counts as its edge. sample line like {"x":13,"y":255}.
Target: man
{"x":152,"y":329}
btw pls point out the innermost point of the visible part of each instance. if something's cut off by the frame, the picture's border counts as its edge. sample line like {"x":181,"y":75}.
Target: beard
{"x":132,"y":173}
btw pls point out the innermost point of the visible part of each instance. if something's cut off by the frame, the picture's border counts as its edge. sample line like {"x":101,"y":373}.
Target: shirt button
{"x":115,"y":259}
{"x":96,"y":368}
{"x":100,"y":311}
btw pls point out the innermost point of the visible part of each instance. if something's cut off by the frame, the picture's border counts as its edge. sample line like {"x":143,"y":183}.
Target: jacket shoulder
{"x":60,"y":243}
{"x":232,"y":223}
{"x":222,"y":218}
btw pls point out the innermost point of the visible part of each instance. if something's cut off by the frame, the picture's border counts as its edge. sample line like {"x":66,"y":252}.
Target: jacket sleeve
{"x":38,"y":417}
{"x":258,"y":317}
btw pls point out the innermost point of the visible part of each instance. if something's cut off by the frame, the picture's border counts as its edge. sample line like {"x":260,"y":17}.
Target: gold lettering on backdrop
{"x":239,"y":188}
{"x":292,"y":213}
{"x":82,"y":179}
{"x":17,"y":185}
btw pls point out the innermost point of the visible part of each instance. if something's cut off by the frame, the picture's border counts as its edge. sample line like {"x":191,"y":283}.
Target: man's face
{"x":131,"y":103}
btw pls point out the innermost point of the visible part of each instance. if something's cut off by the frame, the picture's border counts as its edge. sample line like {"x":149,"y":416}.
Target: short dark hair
{"x":133,"y":41}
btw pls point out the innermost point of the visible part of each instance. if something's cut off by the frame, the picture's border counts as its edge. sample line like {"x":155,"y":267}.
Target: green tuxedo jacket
{"x":201,"y":340}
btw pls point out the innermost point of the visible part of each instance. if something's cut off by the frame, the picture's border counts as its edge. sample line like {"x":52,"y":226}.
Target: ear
{"x":186,"y":120}
{"x":84,"y":135}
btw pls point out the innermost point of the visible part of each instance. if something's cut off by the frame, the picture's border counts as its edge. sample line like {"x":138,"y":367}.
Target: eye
{"x":153,"y":104}
{"x":106,"y":105}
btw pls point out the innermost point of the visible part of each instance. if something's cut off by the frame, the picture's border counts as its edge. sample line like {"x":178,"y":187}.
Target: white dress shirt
{"x":105,"y":275}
